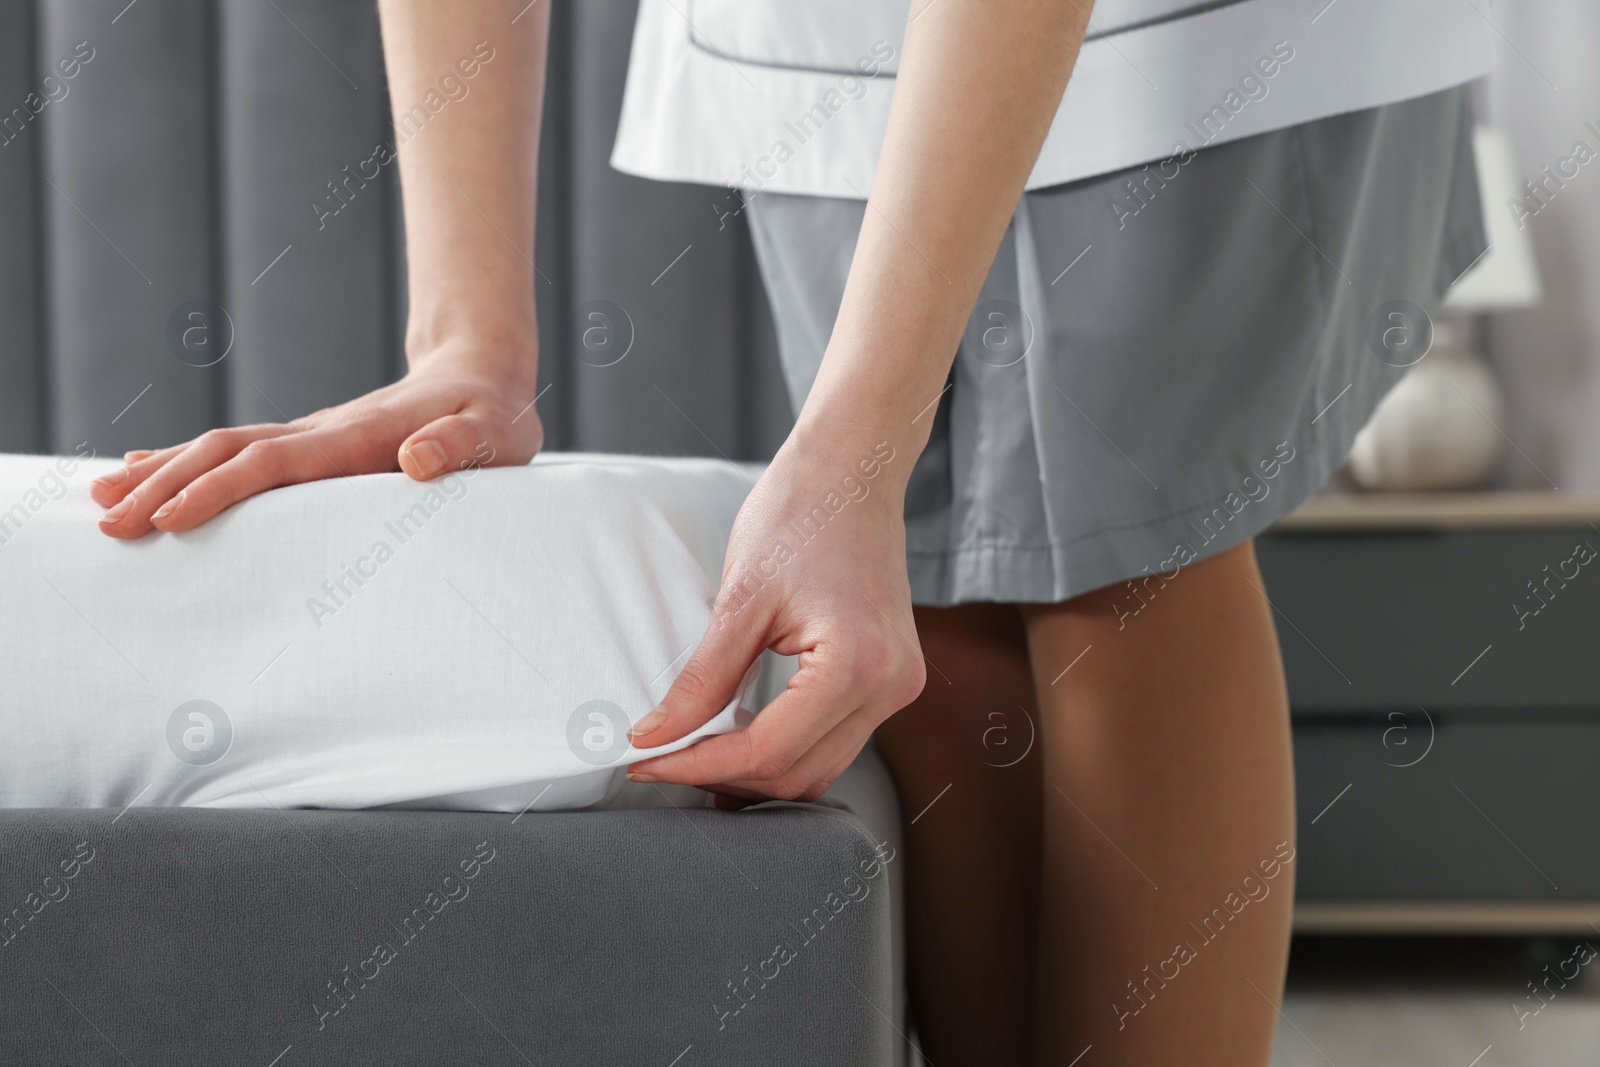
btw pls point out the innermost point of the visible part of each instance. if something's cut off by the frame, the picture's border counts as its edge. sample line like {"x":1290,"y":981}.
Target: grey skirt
{"x":1162,"y":362}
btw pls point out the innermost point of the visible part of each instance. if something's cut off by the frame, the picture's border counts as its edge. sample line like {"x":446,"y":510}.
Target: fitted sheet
{"x":481,"y":642}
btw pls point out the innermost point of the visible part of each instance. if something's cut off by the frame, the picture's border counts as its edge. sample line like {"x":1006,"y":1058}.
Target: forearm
{"x":468,"y":170}
{"x":977,"y":89}
{"x":979,"y":85}
{"x":466,"y":83}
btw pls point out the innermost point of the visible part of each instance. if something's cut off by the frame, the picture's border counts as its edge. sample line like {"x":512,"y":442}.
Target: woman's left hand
{"x":816,"y":568}
{"x":974,"y":95}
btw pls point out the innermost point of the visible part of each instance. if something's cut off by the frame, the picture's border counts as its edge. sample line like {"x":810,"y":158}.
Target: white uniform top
{"x":793,"y":95}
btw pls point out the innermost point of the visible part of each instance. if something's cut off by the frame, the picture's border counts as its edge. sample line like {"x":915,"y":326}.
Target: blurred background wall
{"x":1546,"y":96}
{"x":173,"y":173}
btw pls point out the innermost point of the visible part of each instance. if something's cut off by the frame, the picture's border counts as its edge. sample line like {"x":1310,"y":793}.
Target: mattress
{"x":151,"y":684}
{"x":479,"y":642}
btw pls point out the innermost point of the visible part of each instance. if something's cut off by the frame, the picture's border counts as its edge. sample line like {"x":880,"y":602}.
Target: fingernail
{"x":428,"y":457}
{"x":116,"y":513}
{"x":137,"y":454}
{"x":640,"y":776}
{"x":116,"y":477}
{"x":170,"y":506}
{"x":648,"y":723}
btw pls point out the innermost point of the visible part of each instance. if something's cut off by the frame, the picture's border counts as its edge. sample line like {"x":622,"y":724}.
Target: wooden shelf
{"x":1474,"y":917}
{"x":1487,"y":510}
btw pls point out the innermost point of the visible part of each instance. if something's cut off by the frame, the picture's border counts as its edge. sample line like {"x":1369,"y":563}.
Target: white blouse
{"x":793,"y":95}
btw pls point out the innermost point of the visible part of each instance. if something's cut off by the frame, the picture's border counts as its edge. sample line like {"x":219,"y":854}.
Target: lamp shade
{"x":1506,"y":276}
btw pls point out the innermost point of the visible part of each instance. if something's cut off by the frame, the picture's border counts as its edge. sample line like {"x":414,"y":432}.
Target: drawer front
{"x":1477,"y":805}
{"x":1451,"y":619}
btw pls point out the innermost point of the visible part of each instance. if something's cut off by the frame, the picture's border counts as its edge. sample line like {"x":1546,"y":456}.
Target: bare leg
{"x":972,"y":857}
{"x":1169,"y":788}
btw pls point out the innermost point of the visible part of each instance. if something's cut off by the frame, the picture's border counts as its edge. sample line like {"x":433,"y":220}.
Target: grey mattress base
{"x":688,"y":937}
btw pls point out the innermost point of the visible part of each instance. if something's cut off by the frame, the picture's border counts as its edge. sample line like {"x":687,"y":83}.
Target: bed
{"x":153,"y":910}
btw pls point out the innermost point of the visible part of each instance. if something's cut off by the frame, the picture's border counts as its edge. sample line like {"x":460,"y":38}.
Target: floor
{"x":1437,"y":1002}
{"x":1396,"y":1002}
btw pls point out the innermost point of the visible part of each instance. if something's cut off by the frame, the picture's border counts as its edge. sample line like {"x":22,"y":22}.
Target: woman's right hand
{"x":452,"y":410}
{"x":469,"y":182}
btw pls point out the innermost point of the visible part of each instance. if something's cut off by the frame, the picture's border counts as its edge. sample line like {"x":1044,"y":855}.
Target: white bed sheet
{"x":476,"y":643}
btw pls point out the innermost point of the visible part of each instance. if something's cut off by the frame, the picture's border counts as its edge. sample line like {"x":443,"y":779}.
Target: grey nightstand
{"x":1443,"y":656}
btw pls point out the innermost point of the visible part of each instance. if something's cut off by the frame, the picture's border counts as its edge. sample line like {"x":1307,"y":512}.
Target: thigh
{"x":1169,"y":814}
{"x":966,"y":759}
{"x":976,"y":716}
{"x":1177,"y":674}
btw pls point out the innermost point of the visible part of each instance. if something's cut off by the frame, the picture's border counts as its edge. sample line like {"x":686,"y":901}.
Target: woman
{"x":1167,"y":354}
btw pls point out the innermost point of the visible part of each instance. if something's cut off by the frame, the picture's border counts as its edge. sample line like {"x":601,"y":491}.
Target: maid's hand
{"x":453,"y":410}
{"x":816,"y":568}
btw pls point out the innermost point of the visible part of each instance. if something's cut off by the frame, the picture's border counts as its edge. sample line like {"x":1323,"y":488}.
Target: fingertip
{"x":462,"y":441}
{"x":664,"y":732}
{"x":423,"y":458}
{"x":645,"y":770}
{"x":103,"y":495}
{"x":122,"y":528}
{"x":175,"y":515}
{"x":708,"y":760}
{"x":648,"y":724}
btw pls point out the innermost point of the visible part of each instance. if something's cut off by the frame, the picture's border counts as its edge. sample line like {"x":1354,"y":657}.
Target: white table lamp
{"x":1438,"y":428}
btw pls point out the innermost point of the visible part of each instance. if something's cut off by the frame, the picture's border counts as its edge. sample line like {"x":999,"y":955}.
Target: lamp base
{"x":1436,"y":429}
